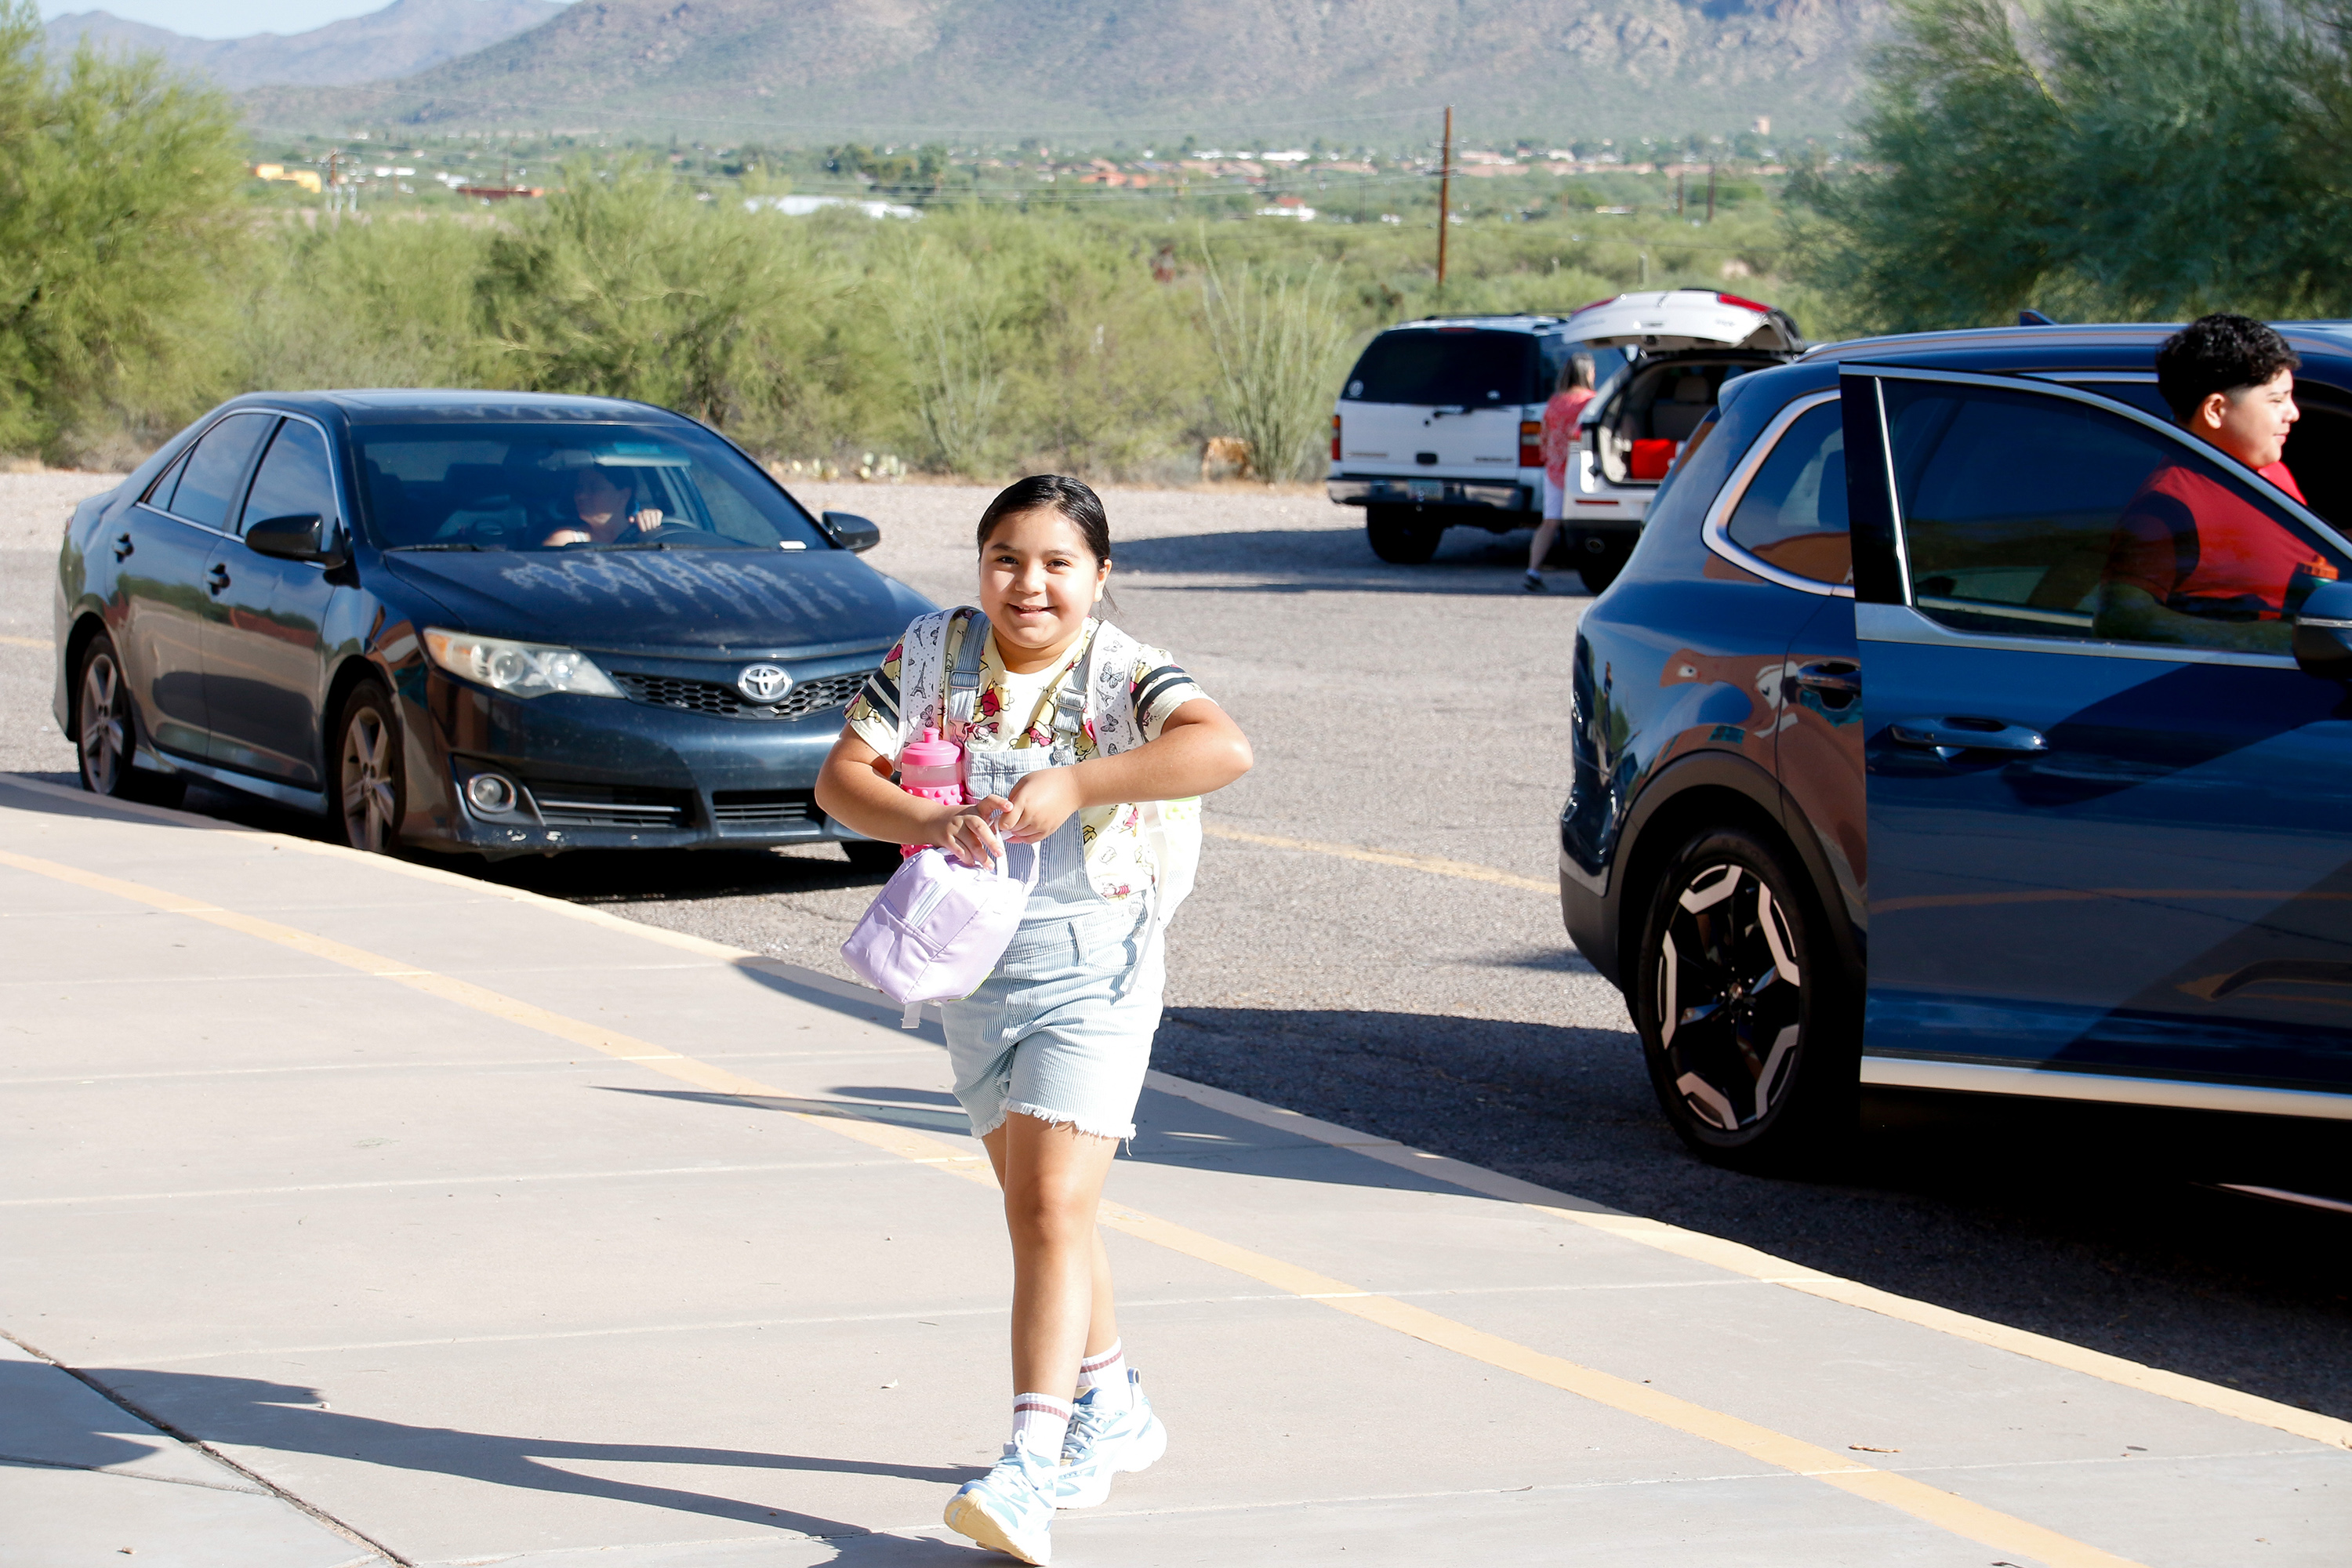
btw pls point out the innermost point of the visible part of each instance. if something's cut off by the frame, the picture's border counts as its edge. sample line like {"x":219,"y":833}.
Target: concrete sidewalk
{"x":450,"y":1225}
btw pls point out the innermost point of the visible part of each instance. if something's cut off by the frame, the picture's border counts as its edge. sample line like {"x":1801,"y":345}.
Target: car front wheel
{"x":1747,"y":1018}
{"x":1401,"y":536}
{"x":369,"y":793}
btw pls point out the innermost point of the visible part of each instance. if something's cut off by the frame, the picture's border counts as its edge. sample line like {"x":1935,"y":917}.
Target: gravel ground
{"x":1424,"y":710}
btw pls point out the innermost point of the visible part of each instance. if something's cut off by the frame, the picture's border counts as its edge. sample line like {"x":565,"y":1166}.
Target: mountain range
{"x":405,"y":37}
{"x":1373,"y":72}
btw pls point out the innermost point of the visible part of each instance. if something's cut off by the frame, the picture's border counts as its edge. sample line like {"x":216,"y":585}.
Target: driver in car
{"x":2191,"y":561}
{"x":607,"y":512}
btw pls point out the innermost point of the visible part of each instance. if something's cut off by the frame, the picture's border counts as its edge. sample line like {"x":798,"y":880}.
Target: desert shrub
{"x":118,"y":214}
{"x":1276,"y":342}
{"x":2118,"y":159}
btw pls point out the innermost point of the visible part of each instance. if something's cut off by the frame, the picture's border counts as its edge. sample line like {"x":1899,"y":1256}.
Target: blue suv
{"x":1869,"y":789}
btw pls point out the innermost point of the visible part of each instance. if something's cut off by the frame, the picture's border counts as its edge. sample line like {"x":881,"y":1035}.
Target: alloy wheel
{"x":1730,"y":997}
{"x":370,"y":801}
{"x":104,"y":738}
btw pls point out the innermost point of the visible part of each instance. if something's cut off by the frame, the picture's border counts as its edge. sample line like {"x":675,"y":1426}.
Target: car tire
{"x":872,"y":854}
{"x":1749,"y":1022}
{"x":1599,"y":568}
{"x":1400,"y":536}
{"x":368,"y":792}
{"x":106,"y":730}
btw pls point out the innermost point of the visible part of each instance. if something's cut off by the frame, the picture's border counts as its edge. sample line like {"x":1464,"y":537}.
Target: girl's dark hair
{"x":1074,"y":498}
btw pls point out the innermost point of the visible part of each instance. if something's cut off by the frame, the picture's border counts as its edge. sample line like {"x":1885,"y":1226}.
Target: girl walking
{"x":1049,"y":1054}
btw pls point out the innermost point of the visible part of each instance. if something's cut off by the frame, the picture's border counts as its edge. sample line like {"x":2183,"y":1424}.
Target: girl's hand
{"x":969,"y":832}
{"x":1039,"y":804}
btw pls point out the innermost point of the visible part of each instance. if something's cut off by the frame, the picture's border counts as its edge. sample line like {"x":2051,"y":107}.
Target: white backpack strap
{"x":921,"y":652}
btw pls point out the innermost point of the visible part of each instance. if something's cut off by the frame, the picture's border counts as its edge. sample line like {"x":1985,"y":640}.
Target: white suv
{"x":1689,"y":342}
{"x":1441,"y":424}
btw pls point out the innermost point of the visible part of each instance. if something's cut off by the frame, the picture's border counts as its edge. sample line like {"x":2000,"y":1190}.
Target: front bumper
{"x":674,"y":766}
{"x":1388,"y":489}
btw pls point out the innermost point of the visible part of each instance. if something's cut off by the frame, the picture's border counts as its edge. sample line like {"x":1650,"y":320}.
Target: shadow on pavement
{"x":2101,"y":1229}
{"x":286,"y":1418}
{"x":1324,"y":560}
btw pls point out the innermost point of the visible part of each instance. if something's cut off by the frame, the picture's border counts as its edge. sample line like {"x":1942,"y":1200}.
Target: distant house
{"x":498,"y":193}
{"x":307,"y":179}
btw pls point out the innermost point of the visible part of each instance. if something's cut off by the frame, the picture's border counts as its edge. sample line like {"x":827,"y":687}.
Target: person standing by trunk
{"x":1559,"y":416}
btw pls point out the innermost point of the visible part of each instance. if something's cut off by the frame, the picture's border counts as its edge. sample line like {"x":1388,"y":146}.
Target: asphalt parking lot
{"x":1421,"y":712}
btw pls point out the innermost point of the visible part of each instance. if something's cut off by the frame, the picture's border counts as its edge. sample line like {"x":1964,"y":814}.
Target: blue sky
{"x":223,"y":18}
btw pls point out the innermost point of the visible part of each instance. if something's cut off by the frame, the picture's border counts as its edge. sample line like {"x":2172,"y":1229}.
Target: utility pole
{"x":1678,"y":192}
{"x":1444,"y":193}
{"x":333,"y":196}
{"x":1711,"y":193}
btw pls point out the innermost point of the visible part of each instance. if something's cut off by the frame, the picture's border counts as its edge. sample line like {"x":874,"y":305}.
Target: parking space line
{"x":1467,"y":870}
{"x":1930,"y":1505}
{"x":1697,"y":1246}
{"x":44,"y":644}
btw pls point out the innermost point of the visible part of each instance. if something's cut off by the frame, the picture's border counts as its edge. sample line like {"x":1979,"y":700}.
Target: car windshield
{"x":478,"y":485}
{"x":1465,"y":367}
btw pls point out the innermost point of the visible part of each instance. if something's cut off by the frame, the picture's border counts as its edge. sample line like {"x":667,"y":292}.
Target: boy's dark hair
{"x":1074,"y":498}
{"x":2218,"y":353}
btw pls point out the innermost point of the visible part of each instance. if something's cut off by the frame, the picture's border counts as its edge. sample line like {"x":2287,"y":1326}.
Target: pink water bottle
{"x":931,"y":769}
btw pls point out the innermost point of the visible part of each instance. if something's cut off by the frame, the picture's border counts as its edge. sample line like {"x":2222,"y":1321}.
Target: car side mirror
{"x":2323,"y":632}
{"x":304,"y":538}
{"x":850,"y":531}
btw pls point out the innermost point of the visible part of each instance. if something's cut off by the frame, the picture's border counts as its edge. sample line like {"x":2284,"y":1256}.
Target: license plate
{"x":1426,"y":490}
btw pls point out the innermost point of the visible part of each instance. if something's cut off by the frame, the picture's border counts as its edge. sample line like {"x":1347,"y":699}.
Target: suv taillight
{"x":1531,"y":444}
{"x":1335,"y":437}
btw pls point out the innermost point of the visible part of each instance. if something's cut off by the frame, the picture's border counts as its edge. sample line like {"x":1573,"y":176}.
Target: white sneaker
{"x":1011,"y":1509}
{"x":1104,"y":1443}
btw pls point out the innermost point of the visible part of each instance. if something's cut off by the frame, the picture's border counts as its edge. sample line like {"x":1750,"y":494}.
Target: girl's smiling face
{"x":1038,"y":583}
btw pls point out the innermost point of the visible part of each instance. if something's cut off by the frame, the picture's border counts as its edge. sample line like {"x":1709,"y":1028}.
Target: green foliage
{"x":1277,"y":344}
{"x":2117,"y":159}
{"x":117,"y":208}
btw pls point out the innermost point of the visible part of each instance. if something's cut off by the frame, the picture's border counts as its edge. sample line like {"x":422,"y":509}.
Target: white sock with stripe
{"x":1105,"y":1373}
{"x":1040,"y":1422}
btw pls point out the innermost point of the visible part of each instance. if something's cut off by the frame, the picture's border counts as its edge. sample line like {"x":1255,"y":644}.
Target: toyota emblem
{"x":765,"y":682}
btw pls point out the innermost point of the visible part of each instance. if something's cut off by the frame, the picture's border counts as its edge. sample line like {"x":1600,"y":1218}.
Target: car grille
{"x":762,"y":807}
{"x":562,"y":805}
{"x":724,"y":702}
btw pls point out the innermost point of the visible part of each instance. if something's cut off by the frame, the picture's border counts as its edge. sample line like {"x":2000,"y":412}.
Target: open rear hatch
{"x":1667,"y":320}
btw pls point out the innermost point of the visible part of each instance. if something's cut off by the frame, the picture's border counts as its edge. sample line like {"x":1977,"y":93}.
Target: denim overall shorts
{"x":1062,"y":1030}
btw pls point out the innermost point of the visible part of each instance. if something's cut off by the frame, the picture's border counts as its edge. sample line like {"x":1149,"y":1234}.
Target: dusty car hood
{"x":663,"y":599}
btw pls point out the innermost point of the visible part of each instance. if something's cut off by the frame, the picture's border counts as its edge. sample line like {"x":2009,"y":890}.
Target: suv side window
{"x":1792,"y":515}
{"x":209,"y":479}
{"x":294,"y":479}
{"x":2026,"y":514}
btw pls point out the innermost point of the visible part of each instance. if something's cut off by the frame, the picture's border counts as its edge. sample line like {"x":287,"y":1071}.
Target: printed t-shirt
{"x":1559,"y":417}
{"x":1118,"y":863}
{"x":2197,"y":546}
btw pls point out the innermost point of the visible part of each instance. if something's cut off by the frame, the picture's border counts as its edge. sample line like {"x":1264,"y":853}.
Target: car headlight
{"x":518,"y":669}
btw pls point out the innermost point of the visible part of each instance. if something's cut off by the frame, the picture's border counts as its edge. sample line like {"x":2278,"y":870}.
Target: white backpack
{"x":930,"y":694}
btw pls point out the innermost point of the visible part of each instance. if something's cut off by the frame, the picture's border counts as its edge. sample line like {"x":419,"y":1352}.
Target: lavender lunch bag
{"x":937,"y":929}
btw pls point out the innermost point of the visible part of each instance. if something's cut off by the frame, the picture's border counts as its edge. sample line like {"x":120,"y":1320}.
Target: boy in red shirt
{"x":1559,"y":417}
{"x":2192,"y":561}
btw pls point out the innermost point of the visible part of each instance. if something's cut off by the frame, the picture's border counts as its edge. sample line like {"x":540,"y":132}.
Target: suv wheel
{"x":1747,"y":1019}
{"x":369,"y":792}
{"x":1401,"y":535}
{"x":1599,"y":558}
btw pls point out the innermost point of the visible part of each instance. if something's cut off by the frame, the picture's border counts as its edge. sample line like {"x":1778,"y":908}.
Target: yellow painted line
{"x":1713,"y":1251}
{"x":44,"y":644}
{"x":1932,"y":1505}
{"x":1467,"y":870}
{"x":1737,"y":1257}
